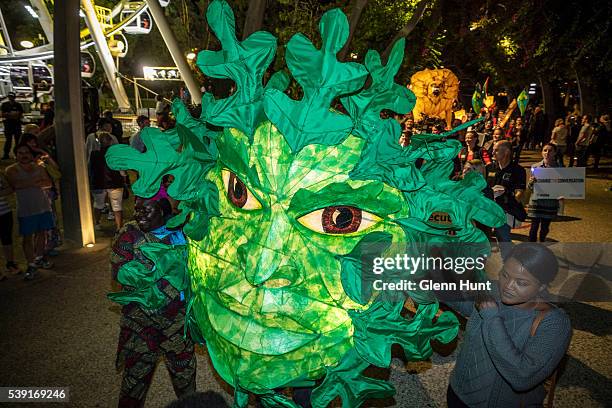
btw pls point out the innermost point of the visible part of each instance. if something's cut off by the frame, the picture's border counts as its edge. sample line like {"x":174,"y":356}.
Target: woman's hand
{"x":485,"y":301}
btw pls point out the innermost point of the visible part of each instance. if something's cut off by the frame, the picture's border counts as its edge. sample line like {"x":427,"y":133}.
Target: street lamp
{"x":191,"y":56}
{"x":26,"y":44}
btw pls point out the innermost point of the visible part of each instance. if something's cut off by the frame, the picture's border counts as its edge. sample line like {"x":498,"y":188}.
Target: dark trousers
{"x":11,"y":132}
{"x":543,"y":224}
{"x":452,"y":400}
{"x":582,"y":154}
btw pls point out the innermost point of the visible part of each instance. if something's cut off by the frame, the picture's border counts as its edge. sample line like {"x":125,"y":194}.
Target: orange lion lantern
{"x":436,"y":90}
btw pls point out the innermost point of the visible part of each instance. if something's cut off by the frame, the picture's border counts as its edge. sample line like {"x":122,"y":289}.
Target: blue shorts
{"x":36,"y":223}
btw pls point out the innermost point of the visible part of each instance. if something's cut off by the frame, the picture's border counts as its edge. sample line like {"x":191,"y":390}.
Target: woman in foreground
{"x":513,"y":340}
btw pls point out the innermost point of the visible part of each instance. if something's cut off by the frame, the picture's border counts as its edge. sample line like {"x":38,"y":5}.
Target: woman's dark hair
{"x":27,"y":137}
{"x":22,"y":144}
{"x":539,"y":261}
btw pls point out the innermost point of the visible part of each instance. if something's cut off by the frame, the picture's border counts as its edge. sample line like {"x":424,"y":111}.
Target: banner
{"x":566,"y":182}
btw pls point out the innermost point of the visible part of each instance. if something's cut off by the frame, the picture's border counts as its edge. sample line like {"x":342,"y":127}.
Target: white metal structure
{"x":136,"y":17}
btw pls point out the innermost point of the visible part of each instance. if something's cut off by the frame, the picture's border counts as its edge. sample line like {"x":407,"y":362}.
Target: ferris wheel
{"x":22,"y":71}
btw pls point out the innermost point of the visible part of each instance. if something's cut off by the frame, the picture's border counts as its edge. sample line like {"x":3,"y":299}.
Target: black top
{"x":8,"y":107}
{"x":117,"y":129}
{"x":512,"y":177}
{"x":102,"y":177}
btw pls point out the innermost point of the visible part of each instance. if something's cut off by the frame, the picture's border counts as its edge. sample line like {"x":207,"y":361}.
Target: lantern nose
{"x":266,"y":258}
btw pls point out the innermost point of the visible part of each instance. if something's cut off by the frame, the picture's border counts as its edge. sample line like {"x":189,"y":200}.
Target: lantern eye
{"x":238,"y":193}
{"x":338,"y":220}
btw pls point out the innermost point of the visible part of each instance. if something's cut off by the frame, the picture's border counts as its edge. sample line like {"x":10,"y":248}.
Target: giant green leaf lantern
{"x":283,"y":202}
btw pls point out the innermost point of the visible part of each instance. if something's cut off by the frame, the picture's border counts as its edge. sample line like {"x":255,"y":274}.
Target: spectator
{"x":583,"y":141}
{"x":28,"y":179}
{"x":147,"y":333}
{"x":486,"y":134}
{"x":537,"y":128}
{"x":472,"y":151}
{"x":573,"y":130}
{"x":508,"y":182}
{"x":519,"y":136}
{"x":116,"y":127}
{"x":559,"y":139}
{"x":165,"y":122}
{"x":106,"y":182}
{"x":514,"y":340}
{"x":6,"y":228}
{"x":42,"y":158}
{"x":161,"y":106}
{"x":498,"y":135}
{"x":600,"y":139}
{"x":542,"y":211}
{"x":48,"y":116}
{"x":92,"y":143}
{"x":136,"y":141}
{"x":12,"y":112}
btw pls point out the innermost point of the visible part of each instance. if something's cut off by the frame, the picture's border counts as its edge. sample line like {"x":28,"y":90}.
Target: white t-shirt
{"x":93,"y":143}
{"x":559,"y":136}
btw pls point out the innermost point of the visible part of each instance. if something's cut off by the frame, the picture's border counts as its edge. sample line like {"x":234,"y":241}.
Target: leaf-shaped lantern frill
{"x":383,"y":93}
{"x":162,"y":157}
{"x":244,"y":62}
{"x":322,"y":78}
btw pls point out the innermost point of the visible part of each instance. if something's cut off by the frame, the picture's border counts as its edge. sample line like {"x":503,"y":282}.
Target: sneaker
{"x":105,"y":209}
{"x":42,"y":263}
{"x":30,"y":273}
{"x":110,"y":216}
{"x":11,"y":267}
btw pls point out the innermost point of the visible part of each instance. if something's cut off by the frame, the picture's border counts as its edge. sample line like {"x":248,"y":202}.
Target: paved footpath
{"x":60,"y":330}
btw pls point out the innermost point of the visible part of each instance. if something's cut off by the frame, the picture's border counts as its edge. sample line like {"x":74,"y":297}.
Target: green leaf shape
{"x":169,"y":263}
{"x":322,"y":77}
{"x":189,"y":166}
{"x":244,"y":62}
{"x":279,"y":81}
{"x":201,"y":208}
{"x":197,"y":126}
{"x":381,"y":326}
{"x":365,"y":107}
{"x":356,"y":284}
{"x":345,"y":381}
{"x":382,"y":158}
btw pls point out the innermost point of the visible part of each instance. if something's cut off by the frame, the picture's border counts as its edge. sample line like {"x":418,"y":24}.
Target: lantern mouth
{"x":255,"y":333}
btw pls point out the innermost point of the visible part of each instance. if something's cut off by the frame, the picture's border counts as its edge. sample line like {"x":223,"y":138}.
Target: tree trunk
{"x":550,"y":104}
{"x":356,"y":11}
{"x":407,"y":29}
{"x":254,"y":17}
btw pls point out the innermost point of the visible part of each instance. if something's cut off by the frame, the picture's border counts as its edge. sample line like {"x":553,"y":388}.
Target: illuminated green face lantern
{"x":283,"y":202}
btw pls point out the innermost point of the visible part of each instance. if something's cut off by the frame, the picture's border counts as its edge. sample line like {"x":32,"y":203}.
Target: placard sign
{"x":556,"y":182}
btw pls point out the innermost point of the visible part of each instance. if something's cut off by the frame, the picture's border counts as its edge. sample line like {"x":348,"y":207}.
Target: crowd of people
{"x":494,"y":146}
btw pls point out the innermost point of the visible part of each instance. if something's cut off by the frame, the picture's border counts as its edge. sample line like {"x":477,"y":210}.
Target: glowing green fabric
{"x":278,"y":294}
{"x":169,"y":264}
